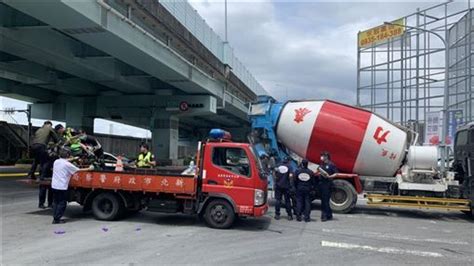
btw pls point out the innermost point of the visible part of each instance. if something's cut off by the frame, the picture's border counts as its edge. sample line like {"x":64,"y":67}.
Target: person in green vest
{"x":73,"y":140}
{"x":145,"y":159}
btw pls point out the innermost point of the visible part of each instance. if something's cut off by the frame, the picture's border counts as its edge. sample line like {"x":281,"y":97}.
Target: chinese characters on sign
{"x":434,"y":126}
{"x":381,"y":33}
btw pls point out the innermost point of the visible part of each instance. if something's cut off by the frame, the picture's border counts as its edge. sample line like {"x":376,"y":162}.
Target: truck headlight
{"x":259,"y":198}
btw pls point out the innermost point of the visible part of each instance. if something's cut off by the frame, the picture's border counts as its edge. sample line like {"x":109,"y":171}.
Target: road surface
{"x":367,"y":235}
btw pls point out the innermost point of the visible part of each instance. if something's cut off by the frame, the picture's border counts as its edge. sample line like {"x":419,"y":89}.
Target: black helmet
{"x":304,"y":163}
{"x":58,"y":127}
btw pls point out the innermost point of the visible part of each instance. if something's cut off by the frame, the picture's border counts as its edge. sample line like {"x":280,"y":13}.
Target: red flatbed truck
{"x":229,"y":181}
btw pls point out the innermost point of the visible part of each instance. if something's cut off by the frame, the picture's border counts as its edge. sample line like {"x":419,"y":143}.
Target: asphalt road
{"x":366,"y":236}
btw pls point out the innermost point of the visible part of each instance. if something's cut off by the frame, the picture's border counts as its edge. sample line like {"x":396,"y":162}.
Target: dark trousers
{"x":303,"y":203}
{"x":293,"y":203}
{"x":43,"y":191}
{"x":59,"y":203}
{"x":41,"y":156}
{"x":325,"y":187}
{"x":281,"y":193}
{"x":31,"y":173}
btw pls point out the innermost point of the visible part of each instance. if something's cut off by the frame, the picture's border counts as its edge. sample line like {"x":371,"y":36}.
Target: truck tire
{"x":107,"y":206}
{"x":343,"y":196}
{"x":219,"y":214}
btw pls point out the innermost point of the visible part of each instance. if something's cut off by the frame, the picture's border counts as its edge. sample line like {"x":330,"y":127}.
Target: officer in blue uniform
{"x":326,"y":184}
{"x":304,"y":181}
{"x":282,"y":188}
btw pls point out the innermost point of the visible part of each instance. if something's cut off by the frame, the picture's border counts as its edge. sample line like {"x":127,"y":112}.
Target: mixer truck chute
{"x":378,"y":156}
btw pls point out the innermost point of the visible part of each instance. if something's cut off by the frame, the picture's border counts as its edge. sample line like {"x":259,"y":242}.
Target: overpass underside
{"x":80,"y":60}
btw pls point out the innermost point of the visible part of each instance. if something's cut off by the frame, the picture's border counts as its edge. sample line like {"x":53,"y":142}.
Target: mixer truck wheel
{"x":343,"y":196}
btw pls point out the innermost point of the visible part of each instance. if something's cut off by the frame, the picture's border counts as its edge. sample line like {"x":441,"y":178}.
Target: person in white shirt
{"x":62,"y":172}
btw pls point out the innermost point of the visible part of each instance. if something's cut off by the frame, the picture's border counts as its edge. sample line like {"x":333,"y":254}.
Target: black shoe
{"x":324,"y":219}
{"x":60,"y":221}
{"x":277,"y":217}
{"x":41,"y":206}
{"x":298,"y":218}
{"x":50,"y":206}
{"x":32,"y":177}
{"x":290,"y":218}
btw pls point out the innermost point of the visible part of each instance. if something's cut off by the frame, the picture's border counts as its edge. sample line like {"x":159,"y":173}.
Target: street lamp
{"x":444,"y":131}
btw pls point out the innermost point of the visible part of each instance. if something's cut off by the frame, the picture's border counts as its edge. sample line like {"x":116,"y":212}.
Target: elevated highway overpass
{"x":152,"y":64}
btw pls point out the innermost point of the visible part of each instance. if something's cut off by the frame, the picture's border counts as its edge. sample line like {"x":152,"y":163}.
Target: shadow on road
{"x":381,"y":211}
{"x":75,"y":213}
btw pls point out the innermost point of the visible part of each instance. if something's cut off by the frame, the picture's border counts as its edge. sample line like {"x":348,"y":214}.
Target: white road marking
{"x":297,"y":254}
{"x":388,"y":250}
{"x":401,"y":237}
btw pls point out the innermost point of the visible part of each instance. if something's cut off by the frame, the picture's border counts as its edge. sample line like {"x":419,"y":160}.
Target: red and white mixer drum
{"x":359,"y":141}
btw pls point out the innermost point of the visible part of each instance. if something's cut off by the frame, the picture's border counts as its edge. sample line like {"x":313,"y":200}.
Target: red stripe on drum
{"x":340,"y":130}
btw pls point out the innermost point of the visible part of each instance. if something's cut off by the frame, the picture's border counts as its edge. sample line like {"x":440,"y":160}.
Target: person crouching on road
{"x":326,"y":184}
{"x":145,"y":158}
{"x":282,"y":188}
{"x":304,"y":183}
{"x":62,"y":172}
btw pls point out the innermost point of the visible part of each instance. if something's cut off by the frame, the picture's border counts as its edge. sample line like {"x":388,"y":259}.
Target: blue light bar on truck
{"x":217,"y":133}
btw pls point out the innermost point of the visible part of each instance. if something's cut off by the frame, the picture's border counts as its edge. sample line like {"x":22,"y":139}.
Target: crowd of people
{"x":294,"y":188}
{"x":61,"y":152}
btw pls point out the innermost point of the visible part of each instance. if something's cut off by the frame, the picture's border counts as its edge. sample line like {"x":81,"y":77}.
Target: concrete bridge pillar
{"x":78,"y":113}
{"x":165,"y":136}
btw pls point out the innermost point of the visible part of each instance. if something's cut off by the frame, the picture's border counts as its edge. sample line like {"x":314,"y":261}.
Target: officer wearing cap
{"x":304,"y":182}
{"x":325,"y":184}
{"x":282,"y":188}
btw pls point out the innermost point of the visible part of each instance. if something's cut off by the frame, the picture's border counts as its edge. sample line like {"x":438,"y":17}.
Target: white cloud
{"x":306,"y":49}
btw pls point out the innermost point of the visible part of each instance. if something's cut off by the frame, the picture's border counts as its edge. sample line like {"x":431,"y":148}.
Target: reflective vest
{"x":144,"y":160}
{"x":75,"y":143}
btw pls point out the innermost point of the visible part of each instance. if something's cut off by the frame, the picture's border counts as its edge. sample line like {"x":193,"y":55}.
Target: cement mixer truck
{"x":374,"y":156}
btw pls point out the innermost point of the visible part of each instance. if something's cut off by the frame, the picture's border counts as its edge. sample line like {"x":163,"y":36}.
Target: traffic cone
{"x":119,"y":164}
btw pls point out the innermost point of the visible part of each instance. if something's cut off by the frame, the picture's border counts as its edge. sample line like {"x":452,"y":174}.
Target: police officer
{"x":282,"y":188}
{"x":325,"y":185}
{"x":304,"y":183}
{"x":145,"y":158}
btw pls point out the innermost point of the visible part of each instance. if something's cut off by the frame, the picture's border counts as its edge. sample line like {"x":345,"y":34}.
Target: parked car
{"x":110,"y":161}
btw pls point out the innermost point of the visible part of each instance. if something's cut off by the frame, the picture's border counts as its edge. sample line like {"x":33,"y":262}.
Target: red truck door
{"x":229,"y":171}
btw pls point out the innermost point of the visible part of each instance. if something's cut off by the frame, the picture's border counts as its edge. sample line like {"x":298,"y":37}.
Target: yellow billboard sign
{"x":381,"y":33}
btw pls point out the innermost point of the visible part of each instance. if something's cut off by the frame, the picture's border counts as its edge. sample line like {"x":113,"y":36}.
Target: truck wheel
{"x":343,"y":196}
{"x":219,"y":214}
{"x":107,"y":207}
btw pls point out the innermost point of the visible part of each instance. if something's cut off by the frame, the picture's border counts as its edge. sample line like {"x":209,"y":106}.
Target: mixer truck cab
{"x":229,"y":181}
{"x":463,"y":161}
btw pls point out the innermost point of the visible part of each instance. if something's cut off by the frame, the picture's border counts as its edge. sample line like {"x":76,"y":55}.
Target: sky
{"x":302,"y":49}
